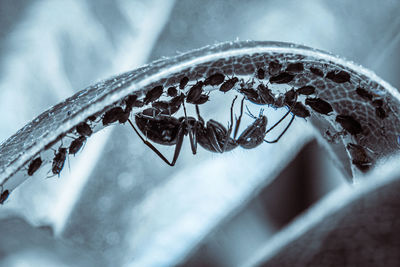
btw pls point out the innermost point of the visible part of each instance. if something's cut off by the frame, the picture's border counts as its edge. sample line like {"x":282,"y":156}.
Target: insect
{"x":92,"y":118}
{"x":377,"y":103}
{"x":215,"y":79}
{"x":172,"y":91}
{"x":274,"y":67}
{"x":261,"y":73}
{"x":317,"y":71}
{"x":306,"y":90}
{"x":131,"y":101}
{"x":183,"y":82}
{"x":300,"y":110}
{"x":359,"y":157}
{"x":228,"y":84}
{"x":338,"y":77}
{"x":349,"y":124}
{"x":319,"y":105}
{"x":194,"y":92}
{"x":380,"y":112}
{"x":261,"y":96}
{"x":34,"y":166}
{"x":364,"y":93}
{"x":76,"y":145}
{"x":169,"y":107}
{"x":153,"y":94}
{"x":283,"y":77}
{"x":295,"y":67}
{"x":59,"y":160}
{"x":84,"y":129}
{"x":4,"y":195}
{"x":202,"y":99}
{"x":115,"y":114}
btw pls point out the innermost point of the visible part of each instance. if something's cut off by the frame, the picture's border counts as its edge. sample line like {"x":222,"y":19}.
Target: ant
{"x":212,"y":136}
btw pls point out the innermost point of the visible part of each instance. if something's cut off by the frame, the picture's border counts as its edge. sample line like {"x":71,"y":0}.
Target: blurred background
{"x":118,"y":203}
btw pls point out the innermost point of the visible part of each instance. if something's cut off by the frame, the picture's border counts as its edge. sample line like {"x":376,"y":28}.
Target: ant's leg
{"x":147,"y":143}
{"x":228,"y":134}
{"x":287,"y":113}
{"x":284,"y":131}
{"x":238,"y":120}
{"x":193,"y":141}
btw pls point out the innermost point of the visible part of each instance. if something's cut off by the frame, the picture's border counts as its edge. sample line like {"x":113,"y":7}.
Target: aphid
{"x":59,"y":160}
{"x":380,"y":112}
{"x":338,"y":77}
{"x":306,"y":90}
{"x":349,"y":124}
{"x":300,"y":110}
{"x":130,"y":101}
{"x":252,"y":95}
{"x":260,"y":73}
{"x":4,"y":196}
{"x":295,"y":67}
{"x":274,"y":67}
{"x":214,"y":79}
{"x":76,"y":145}
{"x":319,"y":105}
{"x":359,"y":157}
{"x":265,"y":94}
{"x":153,"y":94}
{"x":92,"y":118}
{"x":183,"y":82}
{"x":202,"y":99}
{"x":84,"y":129}
{"x":377,"y":103}
{"x":290,"y":97}
{"x":34,"y":166}
{"x":115,"y":114}
{"x":228,"y":85}
{"x":283,"y":77}
{"x":364,"y":93}
{"x":172,"y":91}
{"x":317,"y":71}
{"x":169,"y":107}
{"x":195,"y":92}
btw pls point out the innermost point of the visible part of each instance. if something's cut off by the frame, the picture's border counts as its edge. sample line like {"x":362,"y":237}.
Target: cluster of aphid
{"x":158,"y":124}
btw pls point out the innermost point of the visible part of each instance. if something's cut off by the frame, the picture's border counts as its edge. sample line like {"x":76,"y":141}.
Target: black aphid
{"x":59,"y":160}
{"x":115,"y":114}
{"x":202,"y":99}
{"x":317,"y":71}
{"x":169,"y":107}
{"x":380,"y":112}
{"x":290,"y":97}
{"x":306,"y":90}
{"x":130,"y":101}
{"x":283,"y":77}
{"x":84,"y":129}
{"x":153,"y":94}
{"x":76,"y":145}
{"x":34,"y":166}
{"x":92,"y":118}
{"x":300,"y":110}
{"x":195,"y":92}
{"x":338,"y":77}
{"x":377,"y":103}
{"x":349,"y":124}
{"x":364,"y":93}
{"x":228,"y":85}
{"x":274,"y":67}
{"x":172,"y":91}
{"x":359,"y":157}
{"x":4,"y":196}
{"x":295,"y":67}
{"x":319,"y":105}
{"x":183,"y":82}
{"x":215,"y":79}
{"x":260,"y":73}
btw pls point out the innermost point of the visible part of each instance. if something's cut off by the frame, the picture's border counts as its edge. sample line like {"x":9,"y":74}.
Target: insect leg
{"x":238,"y":120}
{"x":284,"y":131}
